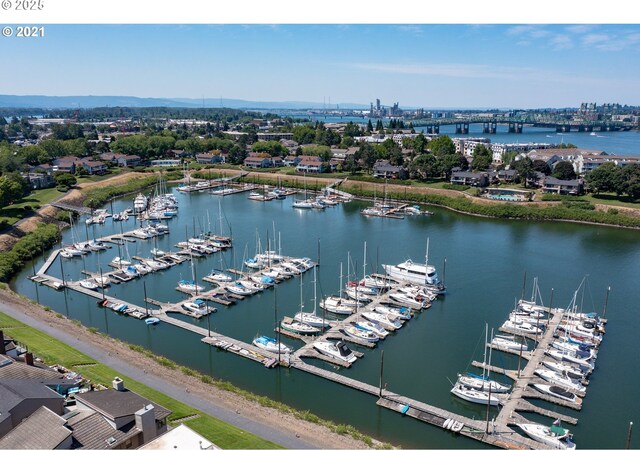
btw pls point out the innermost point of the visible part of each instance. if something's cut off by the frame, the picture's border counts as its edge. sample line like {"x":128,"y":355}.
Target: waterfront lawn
{"x":53,"y":351}
{"x":613,"y":199}
{"x":33,"y":201}
{"x":92,"y":178}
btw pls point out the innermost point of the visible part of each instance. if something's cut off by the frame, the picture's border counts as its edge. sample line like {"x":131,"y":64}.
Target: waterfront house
{"x":128,"y":160}
{"x":478,"y":179}
{"x":94,"y":167}
{"x":551,"y":185}
{"x":212,"y":157}
{"x":309,"y":163}
{"x":108,"y":157}
{"x":586,"y":163}
{"x":258,"y":162}
{"x":277,"y":161}
{"x":119,"y":417}
{"x":382,"y":168}
{"x":292,"y":160}
{"x":39,"y":179}
{"x":66,"y":164}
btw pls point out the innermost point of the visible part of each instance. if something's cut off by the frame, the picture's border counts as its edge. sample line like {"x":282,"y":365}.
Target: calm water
{"x":485,"y":263}
{"x":613,"y":142}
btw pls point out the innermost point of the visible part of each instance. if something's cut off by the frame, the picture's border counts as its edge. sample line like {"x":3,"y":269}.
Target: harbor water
{"x":486,"y":260}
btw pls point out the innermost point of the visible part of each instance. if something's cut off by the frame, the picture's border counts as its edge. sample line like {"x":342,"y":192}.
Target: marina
{"x":305,"y":358}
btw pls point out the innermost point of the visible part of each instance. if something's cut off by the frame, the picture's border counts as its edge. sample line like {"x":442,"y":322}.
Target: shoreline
{"x":233,"y":408}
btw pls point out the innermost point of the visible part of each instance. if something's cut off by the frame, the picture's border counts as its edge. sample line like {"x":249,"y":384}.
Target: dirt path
{"x":271,"y":424}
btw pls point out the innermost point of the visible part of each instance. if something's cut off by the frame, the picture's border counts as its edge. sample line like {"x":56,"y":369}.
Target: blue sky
{"x":520,"y":66}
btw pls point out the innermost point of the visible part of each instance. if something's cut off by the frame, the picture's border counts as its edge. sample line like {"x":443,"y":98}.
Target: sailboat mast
{"x":341,"y":282}
{"x":484,"y":359}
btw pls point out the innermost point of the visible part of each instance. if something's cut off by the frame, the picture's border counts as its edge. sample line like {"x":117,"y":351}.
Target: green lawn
{"x":91,"y":178}
{"x":612,"y":199}
{"x":35,"y":200}
{"x":53,"y":351}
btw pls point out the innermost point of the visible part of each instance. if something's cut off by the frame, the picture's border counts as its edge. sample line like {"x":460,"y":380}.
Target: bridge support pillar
{"x":465,"y":128}
{"x":489,"y":128}
{"x":519,"y":128}
{"x":458,"y":128}
{"x":433,"y":129}
{"x":512,"y":127}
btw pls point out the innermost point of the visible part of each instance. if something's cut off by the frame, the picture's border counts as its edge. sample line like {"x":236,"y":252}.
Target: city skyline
{"x":429,"y":66}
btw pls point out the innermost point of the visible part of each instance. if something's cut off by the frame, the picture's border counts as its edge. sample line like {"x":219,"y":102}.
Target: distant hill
{"x":95,"y":101}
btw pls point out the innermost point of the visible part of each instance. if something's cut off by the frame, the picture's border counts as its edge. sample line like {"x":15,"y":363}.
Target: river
{"x":486,"y":260}
{"x":612,"y":142}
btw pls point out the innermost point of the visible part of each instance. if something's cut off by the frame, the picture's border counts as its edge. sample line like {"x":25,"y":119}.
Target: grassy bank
{"x":26,"y":207}
{"x":53,"y":351}
{"x":97,"y":196}
{"x":565,"y":210}
{"x":27,"y":248}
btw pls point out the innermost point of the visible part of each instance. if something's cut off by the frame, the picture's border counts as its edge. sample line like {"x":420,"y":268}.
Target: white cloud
{"x":580,"y":29}
{"x":561,"y":42}
{"x":591,"y":39}
{"x":413,"y":29}
{"x":479,"y":71}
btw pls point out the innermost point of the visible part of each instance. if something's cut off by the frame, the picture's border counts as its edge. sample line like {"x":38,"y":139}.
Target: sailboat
{"x":311,"y":318}
{"x":303,"y":204}
{"x":296,"y":326}
{"x":190,"y":285}
{"x":482,"y":382}
{"x":335,"y":304}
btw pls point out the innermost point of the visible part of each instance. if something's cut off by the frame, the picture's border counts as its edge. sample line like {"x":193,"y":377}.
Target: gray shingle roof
{"x":114,"y":404}
{"x":91,"y":430}
{"x":42,"y":429}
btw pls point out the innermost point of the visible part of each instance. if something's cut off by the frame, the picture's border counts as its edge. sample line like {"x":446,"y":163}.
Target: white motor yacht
{"x":337,"y":350}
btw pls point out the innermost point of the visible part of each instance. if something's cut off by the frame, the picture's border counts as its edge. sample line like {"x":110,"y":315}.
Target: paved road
{"x":176,"y":391}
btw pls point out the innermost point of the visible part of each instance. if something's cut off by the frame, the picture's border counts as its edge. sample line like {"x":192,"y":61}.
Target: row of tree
{"x":611,"y":178}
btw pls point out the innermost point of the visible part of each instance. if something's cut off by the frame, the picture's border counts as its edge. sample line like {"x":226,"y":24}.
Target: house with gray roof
{"x":551,"y":185}
{"x":382,"y":168}
{"x":478,"y":179}
{"x":21,"y":398}
{"x":42,"y":429}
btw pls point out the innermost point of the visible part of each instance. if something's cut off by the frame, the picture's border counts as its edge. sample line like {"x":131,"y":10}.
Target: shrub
{"x":29,"y":246}
{"x":456,"y":187}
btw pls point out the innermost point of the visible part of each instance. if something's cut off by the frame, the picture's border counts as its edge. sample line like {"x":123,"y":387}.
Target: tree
{"x":350,"y":165}
{"x":448,"y":162}
{"x":273,"y":148}
{"x":482,"y":158}
{"x":10,"y":191}
{"x":525,"y":170}
{"x":564,"y":171}
{"x":304,"y":134}
{"x":424,"y":167}
{"x":65,"y":179}
{"x":237,"y":155}
{"x":369,"y":126}
{"x":603,"y":178}
{"x":442,"y":145}
{"x":541,"y":166}
{"x":630,"y":180}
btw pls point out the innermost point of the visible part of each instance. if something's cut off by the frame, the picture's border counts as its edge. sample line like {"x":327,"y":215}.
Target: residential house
{"x":309,"y":163}
{"x":382,"y":168}
{"x":128,"y":160}
{"x":586,"y":163}
{"x":180,"y":437}
{"x":274,"y":136}
{"x":502,"y":176}
{"x":292,"y":160}
{"x":118,"y":417}
{"x":94,"y":167}
{"x":66,"y":164}
{"x":177,"y":153}
{"x":551,"y":185}
{"x":20,"y":398}
{"x":42,"y":429}
{"x":277,"y":161}
{"x":209,"y":158}
{"x":108,"y":157}
{"x":478,"y":179}
{"x":40,"y":177}
{"x":258,"y":162}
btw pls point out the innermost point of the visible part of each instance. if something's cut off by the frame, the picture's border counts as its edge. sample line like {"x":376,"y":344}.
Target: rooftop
{"x":42,"y":429}
{"x":113,"y":403}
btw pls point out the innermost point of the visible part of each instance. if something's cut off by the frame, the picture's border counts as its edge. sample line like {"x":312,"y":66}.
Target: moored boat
{"x":271,"y":345}
{"x":337,"y":350}
{"x":553,"y":437}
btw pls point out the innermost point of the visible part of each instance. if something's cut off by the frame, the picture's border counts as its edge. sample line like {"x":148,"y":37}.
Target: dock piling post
{"x":381,"y":370}
{"x":629,"y":435}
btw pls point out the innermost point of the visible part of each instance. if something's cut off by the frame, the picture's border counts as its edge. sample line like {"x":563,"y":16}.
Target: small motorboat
{"x":271,"y":345}
{"x":338,"y":350}
{"x":88,"y":284}
{"x":151,"y":320}
{"x":552,"y":437}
